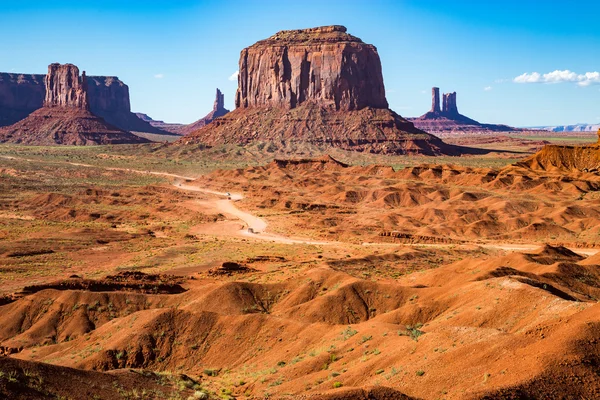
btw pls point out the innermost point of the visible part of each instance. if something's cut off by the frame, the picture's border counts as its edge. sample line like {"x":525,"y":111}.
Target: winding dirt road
{"x":259,"y":226}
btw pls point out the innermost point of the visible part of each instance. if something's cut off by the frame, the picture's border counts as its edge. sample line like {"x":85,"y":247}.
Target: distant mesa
{"x":448,"y":120}
{"x":320,"y":86}
{"x":65,"y":117}
{"x":108,"y":97}
{"x":161,"y":125}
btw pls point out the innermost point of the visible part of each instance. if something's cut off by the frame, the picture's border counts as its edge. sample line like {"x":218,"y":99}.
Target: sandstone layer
{"x":108,"y":97}
{"x":566,"y":158}
{"x":66,"y":117}
{"x":321,"y":86}
{"x":65,"y":88}
{"x":448,"y":120}
{"x":325,"y":65}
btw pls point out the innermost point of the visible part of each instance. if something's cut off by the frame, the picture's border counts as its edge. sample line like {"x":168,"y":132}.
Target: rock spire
{"x":65,"y":88}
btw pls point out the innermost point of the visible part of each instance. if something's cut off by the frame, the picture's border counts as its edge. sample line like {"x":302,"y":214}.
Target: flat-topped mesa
{"x":323,"y":65}
{"x":65,"y":88}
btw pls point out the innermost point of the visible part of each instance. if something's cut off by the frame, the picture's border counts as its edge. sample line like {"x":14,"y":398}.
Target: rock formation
{"x":20,"y":95}
{"x":162,"y":125}
{"x":324,"y":65}
{"x":218,"y":110}
{"x":449,"y":107}
{"x":65,"y":117}
{"x":65,"y":88}
{"x":108,"y":97}
{"x":449,"y":121}
{"x":321,"y":86}
{"x":566,"y":158}
{"x":435,"y":100}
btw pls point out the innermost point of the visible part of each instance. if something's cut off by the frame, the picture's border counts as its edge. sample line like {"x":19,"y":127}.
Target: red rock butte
{"x":218,"y":110}
{"x":449,"y":120}
{"x":65,"y":117}
{"x":324,"y":65}
{"x":320,"y":86}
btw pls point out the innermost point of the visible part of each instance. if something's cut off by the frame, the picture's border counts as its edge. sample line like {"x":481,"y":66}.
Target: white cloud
{"x":557,"y":76}
{"x":528,"y":78}
{"x":234,"y":76}
{"x":159,"y":76}
{"x":487,"y":88}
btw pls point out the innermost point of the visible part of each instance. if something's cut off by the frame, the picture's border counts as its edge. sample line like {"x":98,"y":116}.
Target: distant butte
{"x":108,"y":97}
{"x":65,"y":117}
{"x":319,"y":86}
{"x":218,"y":110}
{"x":448,"y":120}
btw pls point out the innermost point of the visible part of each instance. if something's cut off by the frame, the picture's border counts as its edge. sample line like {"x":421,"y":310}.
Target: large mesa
{"x":323,"y":65}
{"x":65,"y":117}
{"x":320,"y":86}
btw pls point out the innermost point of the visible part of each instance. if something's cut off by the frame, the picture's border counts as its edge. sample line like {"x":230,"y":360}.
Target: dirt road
{"x":259,"y":226}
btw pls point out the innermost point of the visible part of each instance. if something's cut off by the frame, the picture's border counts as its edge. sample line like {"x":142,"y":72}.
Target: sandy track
{"x":259,"y":225}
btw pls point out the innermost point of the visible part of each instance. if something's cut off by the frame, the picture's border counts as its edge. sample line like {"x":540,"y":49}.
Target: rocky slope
{"x":162,"y":125}
{"x":65,"y":117}
{"x":566,"y":158}
{"x":108,"y":97}
{"x":321,"y":86}
{"x":449,"y":120}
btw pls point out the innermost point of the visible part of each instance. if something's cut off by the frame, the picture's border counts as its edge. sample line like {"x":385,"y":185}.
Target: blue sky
{"x":173,"y":54}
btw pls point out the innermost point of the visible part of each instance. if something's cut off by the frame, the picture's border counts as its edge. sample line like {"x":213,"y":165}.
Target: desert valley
{"x":312,"y":243}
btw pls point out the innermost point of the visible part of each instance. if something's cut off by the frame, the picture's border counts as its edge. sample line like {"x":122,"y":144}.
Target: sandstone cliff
{"x":320,"y":86}
{"x":65,"y":117}
{"x":65,"y":88}
{"x":566,"y":158}
{"x":448,"y":120}
{"x":218,"y":110}
{"x":324,"y":65}
{"x":108,"y":97}
{"x":20,"y":95}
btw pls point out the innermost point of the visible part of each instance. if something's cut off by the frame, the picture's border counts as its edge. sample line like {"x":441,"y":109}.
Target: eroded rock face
{"x":108,"y":97}
{"x":20,"y":95}
{"x":318,"y":87}
{"x":65,"y":88}
{"x":324,"y":65}
{"x":435,"y":100}
{"x":449,"y":106}
{"x":65,"y":117}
